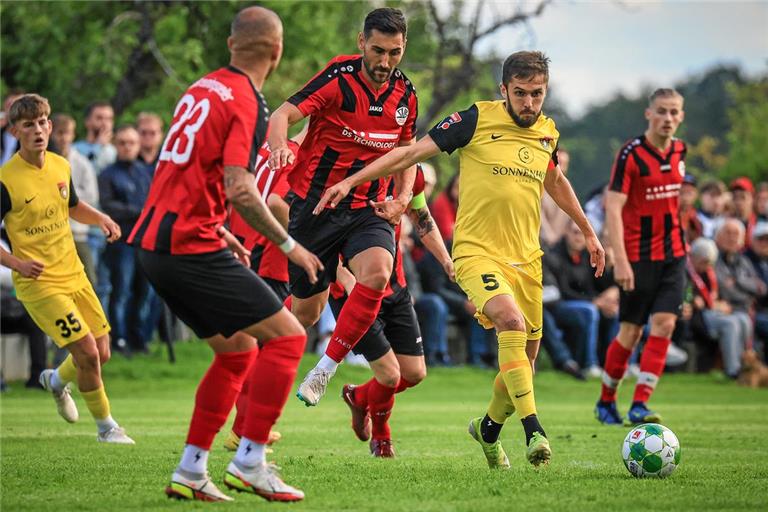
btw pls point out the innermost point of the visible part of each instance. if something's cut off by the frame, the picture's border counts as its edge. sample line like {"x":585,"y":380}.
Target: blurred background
{"x":606,"y":57}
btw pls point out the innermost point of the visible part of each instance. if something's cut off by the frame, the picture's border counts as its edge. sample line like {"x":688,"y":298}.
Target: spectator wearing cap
{"x":689,"y":219}
{"x":712,"y":198}
{"x":711,"y":319}
{"x":743,"y":193}
{"x":758,"y":255}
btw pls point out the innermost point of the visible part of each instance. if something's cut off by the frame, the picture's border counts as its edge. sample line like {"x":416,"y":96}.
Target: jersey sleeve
{"x":456,"y":130}
{"x":5,"y":200}
{"x":553,"y":161}
{"x":242,"y":140}
{"x":73,"y":198}
{"x":418,"y":183}
{"x":319,"y":92}
{"x":624,"y":169}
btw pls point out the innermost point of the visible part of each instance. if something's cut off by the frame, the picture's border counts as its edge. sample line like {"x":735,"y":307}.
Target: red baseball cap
{"x":742,"y":183}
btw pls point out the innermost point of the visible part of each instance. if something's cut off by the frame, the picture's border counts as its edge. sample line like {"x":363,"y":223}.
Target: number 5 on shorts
{"x":490,"y":281}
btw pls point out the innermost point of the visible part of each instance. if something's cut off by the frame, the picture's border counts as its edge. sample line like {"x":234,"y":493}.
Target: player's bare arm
{"x":86,"y":214}
{"x":559,"y":188}
{"x":27,"y":268}
{"x":241,"y":192}
{"x":431,"y":238}
{"x":279,"y":122}
{"x":241,"y":254}
{"x":395,"y":161}
{"x":614,"y":225}
{"x":279,"y":208}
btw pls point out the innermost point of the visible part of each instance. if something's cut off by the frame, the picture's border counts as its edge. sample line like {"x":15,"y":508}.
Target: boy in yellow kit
{"x":37,"y":199}
{"x":508,"y":155}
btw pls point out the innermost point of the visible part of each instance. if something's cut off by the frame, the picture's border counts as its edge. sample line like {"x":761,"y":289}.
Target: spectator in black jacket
{"x":582,"y":304}
{"x":123,"y":188}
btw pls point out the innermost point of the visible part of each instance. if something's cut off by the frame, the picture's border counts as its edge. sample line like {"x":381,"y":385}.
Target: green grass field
{"x":47,"y":464}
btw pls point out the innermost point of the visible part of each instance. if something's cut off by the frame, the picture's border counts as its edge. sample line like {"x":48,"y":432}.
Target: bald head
{"x":257,"y":31}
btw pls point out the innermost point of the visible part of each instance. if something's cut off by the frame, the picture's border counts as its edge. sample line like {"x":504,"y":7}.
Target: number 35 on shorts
{"x":68,"y":325}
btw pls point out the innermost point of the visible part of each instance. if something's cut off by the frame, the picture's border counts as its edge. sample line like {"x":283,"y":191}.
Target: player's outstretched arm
{"x":240,"y":189}
{"x":86,"y":214}
{"x":396,"y":160}
{"x":614,"y":226}
{"x":559,"y":188}
{"x":27,"y":268}
{"x":431,"y":238}
{"x":286,"y":115}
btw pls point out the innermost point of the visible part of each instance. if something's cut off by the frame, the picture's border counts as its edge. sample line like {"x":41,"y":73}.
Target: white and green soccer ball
{"x":651,"y":450}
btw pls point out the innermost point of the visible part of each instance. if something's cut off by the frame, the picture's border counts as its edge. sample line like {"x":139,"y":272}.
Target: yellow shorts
{"x":69,"y":317}
{"x":484,"y":278}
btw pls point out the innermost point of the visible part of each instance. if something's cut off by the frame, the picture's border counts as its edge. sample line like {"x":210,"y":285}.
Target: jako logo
{"x":375,"y":108}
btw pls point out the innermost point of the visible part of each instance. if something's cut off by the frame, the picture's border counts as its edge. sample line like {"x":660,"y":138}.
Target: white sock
{"x":105,"y":424}
{"x":327,"y":364}
{"x":57,"y":383}
{"x":194,"y":460}
{"x":250,"y":454}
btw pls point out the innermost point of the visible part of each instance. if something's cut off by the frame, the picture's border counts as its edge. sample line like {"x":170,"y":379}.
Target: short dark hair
{"x":386,"y":20}
{"x":663,"y":92}
{"x":62,"y":120}
{"x":94,"y":105}
{"x":28,"y":106}
{"x":525,"y":65}
{"x":125,"y":127}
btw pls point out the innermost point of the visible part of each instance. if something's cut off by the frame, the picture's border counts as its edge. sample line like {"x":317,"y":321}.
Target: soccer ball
{"x":651,"y":450}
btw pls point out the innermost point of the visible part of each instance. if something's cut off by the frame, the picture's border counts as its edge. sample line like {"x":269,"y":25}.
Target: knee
{"x":509,"y":321}
{"x":377,"y":277}
{"x":664,"y":328}
{"x":416,"y":375}
{"x":307,"y":316}
{"x":87,"y":360}
{"x":388,"y":376}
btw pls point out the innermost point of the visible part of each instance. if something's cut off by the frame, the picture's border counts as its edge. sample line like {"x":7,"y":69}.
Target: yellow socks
{"x":67,"y":371}
{"x":98,"y":403}
{"x":515,"y":370}
{"x":501,"y":406}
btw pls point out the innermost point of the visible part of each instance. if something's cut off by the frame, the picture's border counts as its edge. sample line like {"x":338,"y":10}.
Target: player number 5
{"x":180,"y":141}
{"x":69,"y":325}
{"x":490,"y":281}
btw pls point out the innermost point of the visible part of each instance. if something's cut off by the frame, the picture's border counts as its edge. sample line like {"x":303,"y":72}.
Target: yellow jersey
{"x":501,"y":177}
{"x":35,"y":208}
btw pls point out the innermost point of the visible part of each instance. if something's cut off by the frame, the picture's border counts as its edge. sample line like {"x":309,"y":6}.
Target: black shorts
{"x":281,"y":288}
{"x":395,"y":327}
{"x":332,"y":233}
{"x":658,"y":289}
{"x":212,"y":293}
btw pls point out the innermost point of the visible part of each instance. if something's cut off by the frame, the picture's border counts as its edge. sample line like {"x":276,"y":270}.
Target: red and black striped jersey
{"x":651,"y":181}
{"x":351,"y":125}
{"x":221,"y":120}
{"x":267,"y":260}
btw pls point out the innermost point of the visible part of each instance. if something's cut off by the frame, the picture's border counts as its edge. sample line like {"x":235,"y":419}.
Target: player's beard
{"x":372,"y":73}
{"x":521,"y":122}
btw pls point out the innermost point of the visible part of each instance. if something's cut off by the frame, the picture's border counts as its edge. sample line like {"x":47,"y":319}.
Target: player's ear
{"x":361,"y":41}
{"x":503,"y":89}
{"x":648,"y":113}
{"x":230,"y":42}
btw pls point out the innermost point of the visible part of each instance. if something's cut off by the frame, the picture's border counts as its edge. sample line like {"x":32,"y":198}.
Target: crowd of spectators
{"x":724,"y":313}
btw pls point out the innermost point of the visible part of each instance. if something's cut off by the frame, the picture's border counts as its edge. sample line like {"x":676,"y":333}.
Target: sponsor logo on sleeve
{"x":451,"y":119}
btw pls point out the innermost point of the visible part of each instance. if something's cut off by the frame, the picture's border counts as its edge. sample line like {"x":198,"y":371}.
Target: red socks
{"x":615,"y":365}
{"x":355,"y":319}
{"x":403,"y":385}
{"x":381,"y":399}
{"x":651,"y":367}
{"x":216,"y":395}
{"x":269,"y":384}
